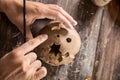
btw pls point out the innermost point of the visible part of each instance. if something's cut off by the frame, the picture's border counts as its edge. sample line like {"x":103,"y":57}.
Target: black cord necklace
{"x":24,"y":19}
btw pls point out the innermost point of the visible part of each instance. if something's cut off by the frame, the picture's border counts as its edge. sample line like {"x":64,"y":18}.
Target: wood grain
{"x":108,"y":49}
{"x":99,"y":56}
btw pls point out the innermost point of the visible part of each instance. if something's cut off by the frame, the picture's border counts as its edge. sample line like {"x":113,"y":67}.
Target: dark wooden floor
{"x":99,"y":56}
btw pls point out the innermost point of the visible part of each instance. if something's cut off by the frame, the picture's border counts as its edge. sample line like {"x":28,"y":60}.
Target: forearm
{"x":6,"y":4}
{"x":2,"y":5}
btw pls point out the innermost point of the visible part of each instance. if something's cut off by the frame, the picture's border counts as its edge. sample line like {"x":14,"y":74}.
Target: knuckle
{"x":30,"y":42}
{"x":56,"y":6}
{"x":58,"y":14}
{"x":36,"y":8}
{"x":23,"y":66}
{"x":38,"y":62}
{"x":27,"y":73}
{"x":59,"y":8}
{"x":34,"y":55}
{"x":21,"y":63}
{"x":40,"y":38}
{"x":35,"y":41}
{"x":15,"y":53}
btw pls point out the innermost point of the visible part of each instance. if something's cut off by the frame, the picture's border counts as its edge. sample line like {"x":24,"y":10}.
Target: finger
{"x":42,"y":72}
{"x":32,"y":69}
{"x":28,"y":34}
{"x":36,"y":65}
{"x":31,"y":57}
{"x":58,"y":16}
{"x":63,"y":12}
{"x":31,"y":44}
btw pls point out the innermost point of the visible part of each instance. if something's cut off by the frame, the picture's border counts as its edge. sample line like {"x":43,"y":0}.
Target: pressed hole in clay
{"x":68,"y":40}
{"x":55,"y":49}
{"x":58,"y":35}
{"x":67,"y":54}
{"x":60,"y":59}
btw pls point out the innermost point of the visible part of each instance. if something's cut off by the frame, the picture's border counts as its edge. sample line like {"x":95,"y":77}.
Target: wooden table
{"x":99,"y":56}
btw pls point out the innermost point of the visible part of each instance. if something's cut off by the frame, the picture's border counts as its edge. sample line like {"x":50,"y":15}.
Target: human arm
{"x":21,"y":63}
{"x":34,"y":10}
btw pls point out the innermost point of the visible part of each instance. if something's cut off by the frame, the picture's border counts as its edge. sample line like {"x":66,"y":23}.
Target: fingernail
{"x":45,"y":36}
{"x":75,"y":23}
{"x":71,"y":27}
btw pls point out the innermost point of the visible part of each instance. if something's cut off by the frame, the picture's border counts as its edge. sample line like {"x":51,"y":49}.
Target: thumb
{"x":28,"y":32}
{"x":29,"y":35}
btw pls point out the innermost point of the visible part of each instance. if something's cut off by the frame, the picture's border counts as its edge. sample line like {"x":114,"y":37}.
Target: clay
{"x":62,"y":44}
{"x":101,"y":2}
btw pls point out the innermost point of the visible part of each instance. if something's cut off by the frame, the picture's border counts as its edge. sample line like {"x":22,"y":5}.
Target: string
{"x":24,"y":19}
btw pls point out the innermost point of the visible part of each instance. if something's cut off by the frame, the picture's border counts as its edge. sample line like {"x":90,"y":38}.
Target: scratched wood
{"x":108,"y":50}
{"x":99,"y":56}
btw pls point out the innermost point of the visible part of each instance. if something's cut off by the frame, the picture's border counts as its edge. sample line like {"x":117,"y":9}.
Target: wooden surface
{"x":99,"y":28}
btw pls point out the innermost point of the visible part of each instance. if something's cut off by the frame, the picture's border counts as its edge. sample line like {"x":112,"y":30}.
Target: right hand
{"x":21,"y":64}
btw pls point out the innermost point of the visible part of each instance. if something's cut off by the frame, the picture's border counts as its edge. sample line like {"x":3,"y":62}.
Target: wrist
{"x":3,"y":4}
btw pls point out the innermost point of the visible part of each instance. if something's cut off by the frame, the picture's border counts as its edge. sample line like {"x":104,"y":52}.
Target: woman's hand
{"x":35,"y":10}
{"x":21,"y":64}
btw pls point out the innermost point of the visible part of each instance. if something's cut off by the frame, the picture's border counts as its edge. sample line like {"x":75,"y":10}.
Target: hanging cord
{"x":24,"y":19}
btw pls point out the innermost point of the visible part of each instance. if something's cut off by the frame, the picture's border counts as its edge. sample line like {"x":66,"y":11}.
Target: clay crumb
{"x":55,"y":28}
{"x":88,"y":78}
{"x":61,"y":79}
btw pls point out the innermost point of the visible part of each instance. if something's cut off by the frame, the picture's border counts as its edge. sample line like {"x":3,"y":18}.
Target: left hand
{"x":35,"y":10}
